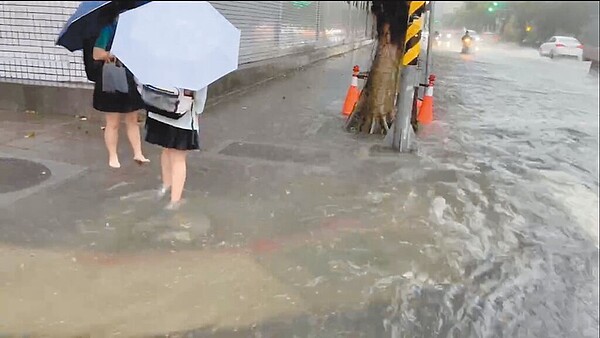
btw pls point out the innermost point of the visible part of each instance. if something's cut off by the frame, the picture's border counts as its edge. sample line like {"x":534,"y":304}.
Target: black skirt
{"x":167,"y":136}
{"x":117,"y":102}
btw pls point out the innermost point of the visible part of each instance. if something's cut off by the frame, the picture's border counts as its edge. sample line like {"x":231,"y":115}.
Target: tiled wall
{"x":28,"y":30}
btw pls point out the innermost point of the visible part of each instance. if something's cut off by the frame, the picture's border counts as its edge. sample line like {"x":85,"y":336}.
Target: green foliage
{"x":511,"y":19}
{"x":473,"y":15}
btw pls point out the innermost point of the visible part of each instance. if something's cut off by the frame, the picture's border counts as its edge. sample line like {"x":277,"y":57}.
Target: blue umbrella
{"x":88,"y":20}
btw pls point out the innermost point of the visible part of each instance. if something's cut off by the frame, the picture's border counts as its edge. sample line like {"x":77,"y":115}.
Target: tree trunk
{"x":375,"y":109}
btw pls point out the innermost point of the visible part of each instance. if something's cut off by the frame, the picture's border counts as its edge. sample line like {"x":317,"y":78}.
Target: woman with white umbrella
{"x":177,"y":134}
{"x":176,"y":44}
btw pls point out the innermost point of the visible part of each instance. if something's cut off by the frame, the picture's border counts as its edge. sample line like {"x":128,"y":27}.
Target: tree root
{"x":386,"y":126}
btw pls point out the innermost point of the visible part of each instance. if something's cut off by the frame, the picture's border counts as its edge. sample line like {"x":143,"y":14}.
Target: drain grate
{"x":276,"y":153}
{"x":18,"y":174}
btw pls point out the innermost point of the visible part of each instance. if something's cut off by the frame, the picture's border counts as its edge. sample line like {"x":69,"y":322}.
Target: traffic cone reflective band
{"x":425,"y":115}
{"x":419,"y":104}
{"x":353,"y":93}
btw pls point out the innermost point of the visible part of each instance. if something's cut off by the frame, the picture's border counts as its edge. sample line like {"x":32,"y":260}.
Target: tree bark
{"x":375,"y":110}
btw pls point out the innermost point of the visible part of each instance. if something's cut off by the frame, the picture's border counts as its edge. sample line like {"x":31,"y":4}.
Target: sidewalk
{"x":279,"y":200}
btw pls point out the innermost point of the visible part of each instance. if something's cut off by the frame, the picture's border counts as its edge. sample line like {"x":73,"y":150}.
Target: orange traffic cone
{"x":425,"y":115}
{"x":353,"y":93}
{"x":419,"y":104}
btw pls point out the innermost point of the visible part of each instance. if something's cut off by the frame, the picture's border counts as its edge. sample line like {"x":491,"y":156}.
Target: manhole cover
{"x":17,"y":174}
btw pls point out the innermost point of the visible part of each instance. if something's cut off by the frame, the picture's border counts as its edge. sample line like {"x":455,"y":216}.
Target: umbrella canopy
{"x":88,"y":19}
{"x":184,"y":44}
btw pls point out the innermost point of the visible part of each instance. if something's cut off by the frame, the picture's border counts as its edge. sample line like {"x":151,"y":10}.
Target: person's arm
{"x":99,"y":52}
{"x":199,"y":100}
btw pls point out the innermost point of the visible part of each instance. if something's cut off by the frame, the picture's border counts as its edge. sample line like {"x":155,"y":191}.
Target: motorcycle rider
{"x":466,"y":42}
{"x":466,"y":36}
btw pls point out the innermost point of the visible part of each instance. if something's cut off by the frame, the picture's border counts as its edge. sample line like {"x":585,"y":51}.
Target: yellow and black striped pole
{"x":402,"y":132}
{"x":412,"y":42}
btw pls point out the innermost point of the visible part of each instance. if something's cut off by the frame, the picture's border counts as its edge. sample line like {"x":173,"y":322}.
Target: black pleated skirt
{"x":117,"y":102}
{"x":167,"y":136}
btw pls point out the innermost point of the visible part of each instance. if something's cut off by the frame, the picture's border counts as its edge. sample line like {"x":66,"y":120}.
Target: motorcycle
{"x":466,"y":46}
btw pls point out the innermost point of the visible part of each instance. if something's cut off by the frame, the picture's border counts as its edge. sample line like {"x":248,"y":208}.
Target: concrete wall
{"x":276,"y":36}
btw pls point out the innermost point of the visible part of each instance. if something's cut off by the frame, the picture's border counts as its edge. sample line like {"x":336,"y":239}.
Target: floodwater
{"x":521,"y":220}
{"x":489,"y":230}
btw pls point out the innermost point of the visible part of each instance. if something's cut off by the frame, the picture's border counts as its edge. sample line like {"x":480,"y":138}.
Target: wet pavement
{"x":295,"y":228}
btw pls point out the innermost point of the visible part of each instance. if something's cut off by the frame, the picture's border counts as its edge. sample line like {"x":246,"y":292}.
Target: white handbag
{"x":169,"y":103}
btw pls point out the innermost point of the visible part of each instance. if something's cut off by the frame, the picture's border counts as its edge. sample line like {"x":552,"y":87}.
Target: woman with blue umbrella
{"x":92,"y":28}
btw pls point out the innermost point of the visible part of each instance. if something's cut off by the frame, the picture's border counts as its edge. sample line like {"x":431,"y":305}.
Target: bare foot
{"x":114,"y":163}
{"x":141,"y":160}
{"x":162,"y":191}
{"x":174,"y":206}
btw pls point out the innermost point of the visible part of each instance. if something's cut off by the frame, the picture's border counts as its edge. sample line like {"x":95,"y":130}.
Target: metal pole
{"x":429,"y":60}
{"x":402,"y":131}
{"x":318,"y":30}
{"x":401,"y":134}
{"x":279,"y":25}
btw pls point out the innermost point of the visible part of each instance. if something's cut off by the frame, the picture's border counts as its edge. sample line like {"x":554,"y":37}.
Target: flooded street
{"x":520,"y":222}
{"x":294,"y":228}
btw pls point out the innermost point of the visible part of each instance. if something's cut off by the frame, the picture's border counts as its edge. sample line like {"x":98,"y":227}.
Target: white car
{"x":562,"y":46}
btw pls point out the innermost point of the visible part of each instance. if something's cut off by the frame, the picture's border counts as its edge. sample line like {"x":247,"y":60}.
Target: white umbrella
{"x":184,"y":44}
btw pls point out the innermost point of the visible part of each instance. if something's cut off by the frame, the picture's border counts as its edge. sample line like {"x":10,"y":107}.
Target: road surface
{"x":294,"y":228}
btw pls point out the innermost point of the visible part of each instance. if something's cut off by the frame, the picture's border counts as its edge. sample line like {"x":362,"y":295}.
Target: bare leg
{"x":133,"y":133}
{"x":178,"y":172}
{"x":111,"y":138}
{"x":165,"y":164}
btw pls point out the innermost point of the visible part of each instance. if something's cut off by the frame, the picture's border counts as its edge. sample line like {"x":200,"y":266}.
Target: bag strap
{"x":192,"y":110}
